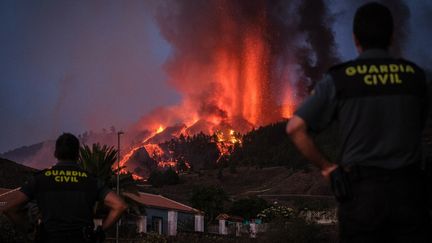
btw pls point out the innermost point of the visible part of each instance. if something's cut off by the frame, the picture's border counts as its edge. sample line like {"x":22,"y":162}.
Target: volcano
{"x":238,"y":64}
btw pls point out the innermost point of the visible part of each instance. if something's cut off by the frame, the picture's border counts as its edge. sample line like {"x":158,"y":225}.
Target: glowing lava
{"x":230,"y":79}
{"x":226,"y":140}
{"x":127,"y":156}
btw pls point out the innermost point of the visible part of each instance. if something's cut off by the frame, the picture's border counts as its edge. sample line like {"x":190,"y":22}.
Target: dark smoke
{"x":297,"y":35}
{"x":316,"y":23}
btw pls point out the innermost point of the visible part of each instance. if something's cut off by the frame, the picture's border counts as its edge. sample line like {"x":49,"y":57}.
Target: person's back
{"x":66,"y":196}
{"x":381,"y":106}
{"x":380,"y":110}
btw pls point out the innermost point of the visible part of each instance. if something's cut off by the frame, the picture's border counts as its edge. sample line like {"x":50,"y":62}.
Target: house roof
{"x":158,"y":201}
{"x":13,"y":174}
{"x":4,"y":190}
{"x":4,"y":198}
{"x":147,"y":199}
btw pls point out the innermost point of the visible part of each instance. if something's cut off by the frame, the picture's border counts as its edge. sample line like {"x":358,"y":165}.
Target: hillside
{"x":38,"y":155}
{"x":276,"y":183}
{"x":12,"y":174}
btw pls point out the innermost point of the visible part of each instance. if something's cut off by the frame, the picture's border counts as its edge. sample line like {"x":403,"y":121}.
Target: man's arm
{"x":297,"y":130}
{"x":13,"y":208}
{"x":116,"y":206}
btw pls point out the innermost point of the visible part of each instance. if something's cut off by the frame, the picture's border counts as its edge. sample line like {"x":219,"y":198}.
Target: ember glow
{"x":226,"y":140}
{"x":128,"y":155}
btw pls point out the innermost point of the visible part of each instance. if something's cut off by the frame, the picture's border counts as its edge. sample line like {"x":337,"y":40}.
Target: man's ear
{"x":357,"y":44}
{"x":56,"y":154}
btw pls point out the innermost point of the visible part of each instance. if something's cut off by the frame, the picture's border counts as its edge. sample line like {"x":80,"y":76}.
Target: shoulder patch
{"x":377,"y":77}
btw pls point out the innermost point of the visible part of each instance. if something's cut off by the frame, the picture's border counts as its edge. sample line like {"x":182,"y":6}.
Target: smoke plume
{"x":245,"y":60}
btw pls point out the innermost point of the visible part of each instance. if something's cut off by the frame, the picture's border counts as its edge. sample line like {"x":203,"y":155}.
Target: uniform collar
{"x":374,"y":53}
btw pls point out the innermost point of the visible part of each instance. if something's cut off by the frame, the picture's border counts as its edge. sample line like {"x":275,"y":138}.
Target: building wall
{"x":185,"y":222}
{"x":153,"y":212}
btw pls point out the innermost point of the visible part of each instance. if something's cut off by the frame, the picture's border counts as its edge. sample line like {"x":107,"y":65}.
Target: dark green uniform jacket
{"x":380,"y":104}
{"x":66,"y":195}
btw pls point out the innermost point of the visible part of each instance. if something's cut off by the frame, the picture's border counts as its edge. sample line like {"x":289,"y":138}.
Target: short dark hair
{"x":67,"y":147}
{"x":373,"y":26}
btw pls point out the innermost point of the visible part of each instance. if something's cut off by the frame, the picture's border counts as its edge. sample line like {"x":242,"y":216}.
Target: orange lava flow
{"x":127,"y":156}
{"x":137,"y":177}
{"x":153,"y":150}
{"x":226,"y":141}
{"x":164,"y":164}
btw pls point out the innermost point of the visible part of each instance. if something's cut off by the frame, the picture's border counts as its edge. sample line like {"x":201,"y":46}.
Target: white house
{"x":166,"y":216}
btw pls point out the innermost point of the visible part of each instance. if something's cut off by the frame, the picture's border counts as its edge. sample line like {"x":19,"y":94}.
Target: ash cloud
{"x":293,"y":33}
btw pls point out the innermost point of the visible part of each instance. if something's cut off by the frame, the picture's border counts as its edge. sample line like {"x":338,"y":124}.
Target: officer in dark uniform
{"x":380,"y":104}
{"x":66,"y":196}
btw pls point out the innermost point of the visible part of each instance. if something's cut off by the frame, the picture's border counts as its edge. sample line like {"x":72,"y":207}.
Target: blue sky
{"x":86,"y":65}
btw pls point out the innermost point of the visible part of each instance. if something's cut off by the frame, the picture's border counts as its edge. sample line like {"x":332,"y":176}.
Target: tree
{"x":181,"y":164}
{"x":171,"y":177}
{"x":99,"y":161}
{"x":159,"y":179}
{"x":200,"y":151}
{"x":209,"y":199}
{"x":248,"y":208}
{"x":155,"y":179}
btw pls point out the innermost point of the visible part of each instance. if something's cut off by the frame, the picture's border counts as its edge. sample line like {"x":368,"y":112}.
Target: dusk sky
{"x":74,"y":66}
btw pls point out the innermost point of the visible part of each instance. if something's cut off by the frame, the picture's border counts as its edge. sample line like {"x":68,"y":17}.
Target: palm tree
{"x":98,"y":160}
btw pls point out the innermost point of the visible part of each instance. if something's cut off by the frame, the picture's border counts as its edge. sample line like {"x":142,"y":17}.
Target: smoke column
{"x":239,"y":60}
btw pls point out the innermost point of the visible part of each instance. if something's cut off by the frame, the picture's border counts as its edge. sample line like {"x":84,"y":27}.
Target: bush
{"x":158,"y":178}
{"x":8,"y":233}
{"x":209,"y":199}
{"x":295,"y":230}
{"x":276,"y":212}
{"x":248,"y":208}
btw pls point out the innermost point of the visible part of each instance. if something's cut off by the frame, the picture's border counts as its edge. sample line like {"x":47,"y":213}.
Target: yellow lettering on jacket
{"x":65,"y":176}
{"x":384,"y":74}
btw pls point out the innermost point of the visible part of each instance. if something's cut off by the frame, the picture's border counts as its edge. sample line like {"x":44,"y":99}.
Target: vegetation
{"x":271,"y":146}
{"x":248,"y":208}
{"x":264,"y":147}
{"x":161,"y":178}
{"x":294,"y":230}
{"x":10,"y":233}
{"x":210,"y":199}
{"x":313,"y":204}
{"x":98,"y":160}
{"x":199,"y":150}
{"x":267,"y":146}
